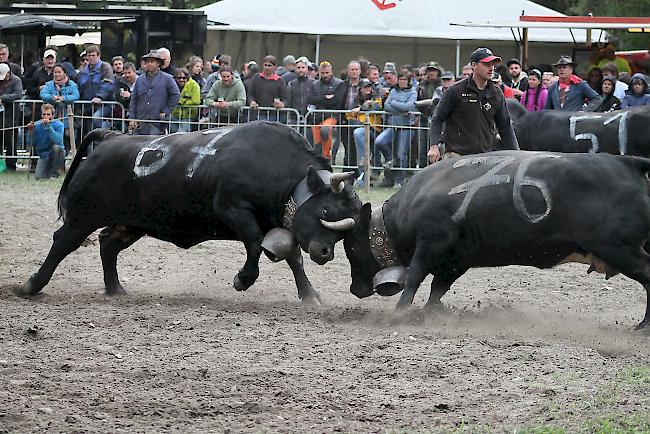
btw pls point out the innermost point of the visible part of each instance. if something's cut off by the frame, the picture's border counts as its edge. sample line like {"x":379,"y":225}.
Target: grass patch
{"x":543,"y":429}
{"x":20,"y":178}
{"x":634,"y":376}
{"x":377,"y":195}
{"x":619,"y":424}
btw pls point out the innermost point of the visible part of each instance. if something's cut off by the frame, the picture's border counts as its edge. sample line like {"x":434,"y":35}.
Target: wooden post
{"x":524,"y":50}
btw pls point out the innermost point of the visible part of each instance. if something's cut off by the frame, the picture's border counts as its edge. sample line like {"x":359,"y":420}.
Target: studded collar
{"x":300,"y":195}
{"x":380,"y":244}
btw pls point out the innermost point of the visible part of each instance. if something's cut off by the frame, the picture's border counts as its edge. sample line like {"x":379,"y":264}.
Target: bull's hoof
{"x":434,"y":307}
{"x":312,"y":298}
{"x":239,"y":285}
{"x":25,"y":290}
{"x":115,"y":291}
{"x":643,"y":327}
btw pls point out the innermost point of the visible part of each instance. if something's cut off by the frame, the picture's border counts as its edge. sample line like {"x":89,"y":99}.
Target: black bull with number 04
{"x":238,"y":183}
{"x":505,"y":208}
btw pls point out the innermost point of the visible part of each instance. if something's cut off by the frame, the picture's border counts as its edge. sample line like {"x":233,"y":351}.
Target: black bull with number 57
{"x":505,"y":208}
{"x":623,"y":132}
{"x":236,"y":183}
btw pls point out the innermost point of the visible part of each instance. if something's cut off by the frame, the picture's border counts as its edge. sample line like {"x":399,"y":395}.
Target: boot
{"x":389,"y":176}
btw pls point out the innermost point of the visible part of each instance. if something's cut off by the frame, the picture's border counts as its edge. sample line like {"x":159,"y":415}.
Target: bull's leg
{"x":645,"y":324}
{"x":243,"y":223}
{"x":66,"y":240}
{"x":306,"y":292}
{"x":440,"y":285}
{"x":112,"y":240}
{"x":419,"y":268}
{"x":632,"y":261}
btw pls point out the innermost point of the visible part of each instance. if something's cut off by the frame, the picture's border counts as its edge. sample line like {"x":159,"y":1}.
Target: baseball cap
{"x":49,"y":52}
{"x":513,"y":62}
{"x":484,"y":55}
{"x":303,"y":59}
{"x":607,"y":77}
{"x":433,"y":65}
{"x":365,"y":82}
{"x":4,"y":70}
{"x":389,"y":69}
{"x":312,"y":66}
{"x":447,"y":75}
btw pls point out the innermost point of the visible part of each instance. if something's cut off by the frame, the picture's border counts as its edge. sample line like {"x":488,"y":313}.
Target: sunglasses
{"x":181,"y":77}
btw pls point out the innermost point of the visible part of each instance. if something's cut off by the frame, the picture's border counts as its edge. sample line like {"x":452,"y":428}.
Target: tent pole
{"x":524,"y":48}
{"x":457,"y":57}
{"x":22,"y":52}
{"x":317,"y":49}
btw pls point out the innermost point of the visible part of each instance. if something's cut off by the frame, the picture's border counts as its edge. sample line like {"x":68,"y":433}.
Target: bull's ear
{"x":314,"y":182}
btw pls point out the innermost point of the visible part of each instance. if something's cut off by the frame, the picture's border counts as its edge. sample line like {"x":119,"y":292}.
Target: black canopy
{"x":27,"y":23}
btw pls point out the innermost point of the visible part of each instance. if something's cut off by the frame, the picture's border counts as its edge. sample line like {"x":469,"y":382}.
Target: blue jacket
{"x":400,"y":101}
{"x":575,"y":100}
{"x":69,"y":92}
{"x":633,"y":100}
{"x":46,"y":136}
{"x":96,"y":82}
{"x":153,"y":95}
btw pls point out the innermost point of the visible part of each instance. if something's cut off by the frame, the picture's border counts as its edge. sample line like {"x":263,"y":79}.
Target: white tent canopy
{"x":401,"y":18}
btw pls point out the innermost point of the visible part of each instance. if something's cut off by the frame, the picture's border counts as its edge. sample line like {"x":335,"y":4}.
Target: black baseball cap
{"x":484,"y":55}
{"x":513,"y":62}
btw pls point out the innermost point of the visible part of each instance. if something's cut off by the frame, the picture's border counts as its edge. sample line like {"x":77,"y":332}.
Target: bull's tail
{"x":96,"y":136}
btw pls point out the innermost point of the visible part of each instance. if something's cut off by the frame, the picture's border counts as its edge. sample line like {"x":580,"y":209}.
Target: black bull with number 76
{"x":239,"y":183}
{"x":505,"y":208}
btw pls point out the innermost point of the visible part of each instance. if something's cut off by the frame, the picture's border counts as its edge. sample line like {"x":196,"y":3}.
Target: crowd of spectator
{"x":160,"y":96}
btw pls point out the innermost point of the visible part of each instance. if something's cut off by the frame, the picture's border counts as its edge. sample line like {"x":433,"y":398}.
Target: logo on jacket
{"x":487,"y":106}
{"x":384,"y":4}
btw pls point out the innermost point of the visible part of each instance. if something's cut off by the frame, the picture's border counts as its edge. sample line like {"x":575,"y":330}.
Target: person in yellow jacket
{"x":366,"y":101}
{"x":186,"y":111}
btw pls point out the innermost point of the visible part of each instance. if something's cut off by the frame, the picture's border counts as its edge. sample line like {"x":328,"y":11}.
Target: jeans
{"x":402,"y":139}
{"x":102,"y":112}
{"x":49,"y":166}
{"x":376,"y":153}
{"x":179,"y":125}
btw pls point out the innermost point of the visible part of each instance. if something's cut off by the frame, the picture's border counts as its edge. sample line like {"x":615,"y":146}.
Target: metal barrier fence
{"x":369,"y":141}
{"x":372,"y":141}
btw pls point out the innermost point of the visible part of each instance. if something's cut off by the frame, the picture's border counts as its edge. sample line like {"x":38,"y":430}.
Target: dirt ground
{"x":517,"y":349}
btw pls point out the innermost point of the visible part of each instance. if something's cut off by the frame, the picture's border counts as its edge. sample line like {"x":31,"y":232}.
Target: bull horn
{"x":341,"y":225}
{"x":337,"y":179}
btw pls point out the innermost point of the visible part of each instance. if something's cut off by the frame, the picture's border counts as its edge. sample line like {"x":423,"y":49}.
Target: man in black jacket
{"x":470,"y":109}
{"x":327,"y":93}
{"x":300,"y":87}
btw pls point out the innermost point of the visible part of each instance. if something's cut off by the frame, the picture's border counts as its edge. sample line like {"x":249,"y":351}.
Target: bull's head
{"x":326,"y":217}
{"x":362,"y":264}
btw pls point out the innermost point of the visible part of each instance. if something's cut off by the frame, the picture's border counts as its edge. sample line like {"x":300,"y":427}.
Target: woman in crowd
{"x":61,"y":92}
{"x":637,"y":94}
{"x":535,"y":97}
{"x":594,"y":78}
{"x":400,"y":101}
{"x":185,"y":113}
{"x":366,"y":100}
{"x":610,"y":101}
{"x":195,"y":66}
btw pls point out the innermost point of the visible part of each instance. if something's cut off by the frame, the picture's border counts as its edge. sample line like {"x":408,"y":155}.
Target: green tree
{"x":612,"y":8}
